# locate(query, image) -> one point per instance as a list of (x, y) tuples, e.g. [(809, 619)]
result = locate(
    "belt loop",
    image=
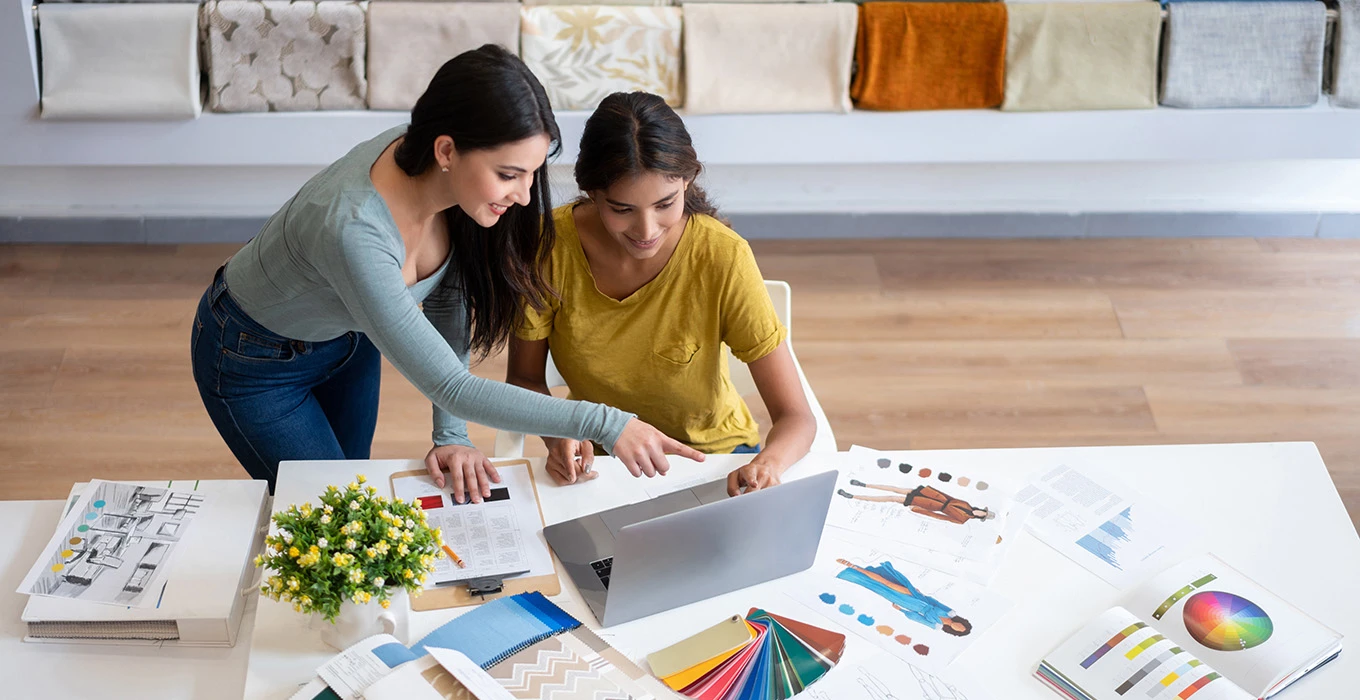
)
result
[(219, 286)]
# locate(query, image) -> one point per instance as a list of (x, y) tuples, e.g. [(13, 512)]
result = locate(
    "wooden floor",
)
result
[(921, 344)]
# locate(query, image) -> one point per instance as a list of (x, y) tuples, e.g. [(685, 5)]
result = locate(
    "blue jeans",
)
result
[(274, 398), (746, 450)]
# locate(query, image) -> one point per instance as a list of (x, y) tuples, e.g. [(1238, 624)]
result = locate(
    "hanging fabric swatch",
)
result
[(119, 61), (276, 56), (1346, 56), (409, 41), (1069, 56), (647, 3), (1243, 54), (582, 53), (930, 55), (800, 64)]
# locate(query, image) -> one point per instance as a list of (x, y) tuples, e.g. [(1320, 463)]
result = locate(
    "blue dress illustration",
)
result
[(891, 585)]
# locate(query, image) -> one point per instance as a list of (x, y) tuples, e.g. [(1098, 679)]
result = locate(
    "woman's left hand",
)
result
[(757, 475)]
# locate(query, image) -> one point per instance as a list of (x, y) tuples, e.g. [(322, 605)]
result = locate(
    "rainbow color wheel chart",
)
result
[(1226, 622)]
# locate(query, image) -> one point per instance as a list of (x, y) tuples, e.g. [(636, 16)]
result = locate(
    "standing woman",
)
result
[(452, 210)]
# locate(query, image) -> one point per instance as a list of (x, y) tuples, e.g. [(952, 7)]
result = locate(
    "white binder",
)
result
[(210, 574)]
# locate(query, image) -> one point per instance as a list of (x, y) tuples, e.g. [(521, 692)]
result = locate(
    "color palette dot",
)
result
[(827, 598), (67, 553), (58, 567), (98, 504), (865, 620), (884, 630), (982, 486), (902, 639), (847, 609), (904, 468), (91, 516), (84, 528), (925, 472), (884, 463), (964, 481), (945, 477), (921, 649), (75, 540)]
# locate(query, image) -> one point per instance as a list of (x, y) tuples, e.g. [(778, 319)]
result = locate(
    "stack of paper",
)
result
[(763, 656)]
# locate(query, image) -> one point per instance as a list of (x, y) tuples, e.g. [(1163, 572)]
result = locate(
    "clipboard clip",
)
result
[(485, 586)]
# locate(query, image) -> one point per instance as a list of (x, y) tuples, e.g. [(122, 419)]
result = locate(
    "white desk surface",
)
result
[(1292, 535), (32, 671)]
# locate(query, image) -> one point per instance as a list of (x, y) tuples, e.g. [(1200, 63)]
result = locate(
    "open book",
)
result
[(1200, 629)]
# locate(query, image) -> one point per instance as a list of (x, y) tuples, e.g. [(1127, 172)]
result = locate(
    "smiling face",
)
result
[(487, 182), (643, 214)]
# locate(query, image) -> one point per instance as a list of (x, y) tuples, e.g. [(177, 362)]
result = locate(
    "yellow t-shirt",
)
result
[(658, 353)]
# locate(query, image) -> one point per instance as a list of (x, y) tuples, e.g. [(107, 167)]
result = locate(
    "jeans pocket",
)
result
[(260, 349)]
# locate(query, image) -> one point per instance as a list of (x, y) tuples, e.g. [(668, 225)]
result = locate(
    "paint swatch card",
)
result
[(920, 615), (781, 658)]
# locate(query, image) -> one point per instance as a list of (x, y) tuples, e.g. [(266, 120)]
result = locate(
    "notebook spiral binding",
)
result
[(525, 645)]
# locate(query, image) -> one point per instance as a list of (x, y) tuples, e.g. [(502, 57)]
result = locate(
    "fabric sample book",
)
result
[(1243, 54), (1071, 56), (119, 61), (409, 41), (799, 63), (930, 55), (1346, 56), (275, 56), (582, 53)]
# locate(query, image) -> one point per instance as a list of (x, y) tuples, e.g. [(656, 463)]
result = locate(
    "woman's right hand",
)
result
[(643, 449)]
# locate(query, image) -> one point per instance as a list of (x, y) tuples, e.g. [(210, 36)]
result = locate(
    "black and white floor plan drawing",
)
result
[(114, 545)]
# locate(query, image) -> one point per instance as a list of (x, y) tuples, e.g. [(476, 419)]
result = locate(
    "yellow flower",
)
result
[(371, 552), (372, 491), (297, 607), (305, 600), (407, 536), (292, 584), (386, 603), (393, 533), (352, 486), (313, 548), (293, 552), (275, 582), (382, 546), (361, 479), (407, 574), (403, 550), (356, 575), (259, 560), (350, 543)]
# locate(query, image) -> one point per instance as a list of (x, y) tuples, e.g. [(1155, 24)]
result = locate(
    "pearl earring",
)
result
[(444, 169)]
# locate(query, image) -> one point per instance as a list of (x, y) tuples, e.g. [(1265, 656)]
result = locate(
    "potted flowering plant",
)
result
[(335, 561)]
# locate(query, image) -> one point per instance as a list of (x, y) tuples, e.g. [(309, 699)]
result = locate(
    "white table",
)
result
[(1298, 541), (40, 670)]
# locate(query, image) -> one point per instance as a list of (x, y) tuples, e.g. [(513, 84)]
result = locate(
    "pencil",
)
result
[(454, 557)]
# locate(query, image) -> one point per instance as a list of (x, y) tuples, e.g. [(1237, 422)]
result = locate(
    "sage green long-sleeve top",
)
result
[(330, 262)]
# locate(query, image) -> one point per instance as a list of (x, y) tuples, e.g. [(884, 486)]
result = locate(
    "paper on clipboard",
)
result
[(493, 538)]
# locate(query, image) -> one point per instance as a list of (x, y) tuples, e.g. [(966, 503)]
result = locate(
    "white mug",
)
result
[(358, 622)]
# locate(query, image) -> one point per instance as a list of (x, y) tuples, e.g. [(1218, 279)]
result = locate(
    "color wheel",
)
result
[(1226, 622)]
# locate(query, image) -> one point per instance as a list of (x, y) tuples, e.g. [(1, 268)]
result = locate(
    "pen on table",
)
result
[(453, 556)]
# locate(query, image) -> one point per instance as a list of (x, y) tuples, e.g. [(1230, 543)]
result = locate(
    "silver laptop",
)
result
[(641, 559)]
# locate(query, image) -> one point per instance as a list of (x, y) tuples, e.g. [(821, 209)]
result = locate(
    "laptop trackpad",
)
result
[(617, 518)]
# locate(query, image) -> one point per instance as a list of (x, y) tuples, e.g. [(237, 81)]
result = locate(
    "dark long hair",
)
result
[(483, 99), (632, 133)]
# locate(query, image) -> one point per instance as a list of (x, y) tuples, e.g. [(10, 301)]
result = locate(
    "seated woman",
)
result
[(651, 285)]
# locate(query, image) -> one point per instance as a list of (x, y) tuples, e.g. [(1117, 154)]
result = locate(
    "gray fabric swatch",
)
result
[(1346, 56), (1235, 54)]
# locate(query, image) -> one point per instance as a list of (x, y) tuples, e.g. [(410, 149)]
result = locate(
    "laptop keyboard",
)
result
[(602, 569)]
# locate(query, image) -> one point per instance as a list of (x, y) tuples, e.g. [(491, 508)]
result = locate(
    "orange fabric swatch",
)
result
[(930, 55)]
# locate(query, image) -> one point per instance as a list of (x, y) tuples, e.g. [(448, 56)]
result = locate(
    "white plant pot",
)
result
[(358, 622)]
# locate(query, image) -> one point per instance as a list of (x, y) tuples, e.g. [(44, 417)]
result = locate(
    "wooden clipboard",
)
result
[(440, 597)]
